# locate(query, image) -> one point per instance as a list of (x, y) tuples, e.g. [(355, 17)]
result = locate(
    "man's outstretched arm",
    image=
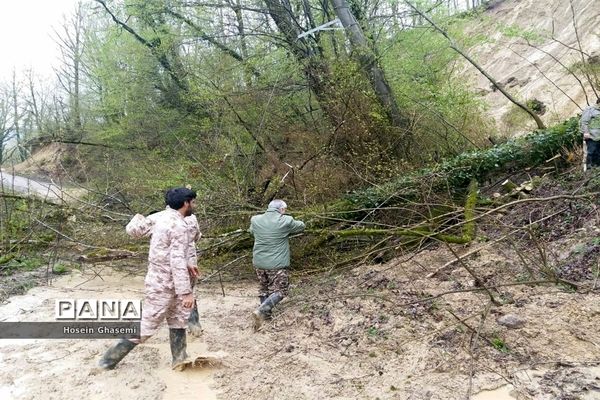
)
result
[(296, 226), (139, 226)]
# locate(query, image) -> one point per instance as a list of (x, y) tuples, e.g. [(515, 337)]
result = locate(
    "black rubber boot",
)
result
[(194, 322), (116, 353), (178, 347), (262, 300), (264, 311)]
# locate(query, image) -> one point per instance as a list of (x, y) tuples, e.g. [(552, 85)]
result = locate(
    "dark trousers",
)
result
[(593, 153)]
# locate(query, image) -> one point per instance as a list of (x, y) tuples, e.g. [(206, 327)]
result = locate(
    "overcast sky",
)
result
[(26, 34)]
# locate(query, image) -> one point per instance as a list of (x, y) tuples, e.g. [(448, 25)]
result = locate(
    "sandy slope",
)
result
[(533, 70)]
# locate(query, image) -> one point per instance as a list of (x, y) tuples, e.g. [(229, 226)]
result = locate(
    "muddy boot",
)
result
[(178, 347), (264, 311), (194, 322), (116, 353), (262, 300)]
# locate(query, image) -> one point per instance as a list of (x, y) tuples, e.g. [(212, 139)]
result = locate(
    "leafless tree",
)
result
[(5, 125), (70, 39), (17, 114)]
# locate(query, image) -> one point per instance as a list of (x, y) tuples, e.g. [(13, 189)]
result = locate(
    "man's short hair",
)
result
[(175, 198), (278, 204)]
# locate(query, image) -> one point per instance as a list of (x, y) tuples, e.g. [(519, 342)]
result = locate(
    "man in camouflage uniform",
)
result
[(171, 264), (590, 128), (271, 256)]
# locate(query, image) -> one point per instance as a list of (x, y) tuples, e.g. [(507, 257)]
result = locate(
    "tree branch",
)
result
[(153, 46)]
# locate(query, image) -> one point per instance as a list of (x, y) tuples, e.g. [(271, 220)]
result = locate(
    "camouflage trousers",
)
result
[(273, 280), (159, 306)]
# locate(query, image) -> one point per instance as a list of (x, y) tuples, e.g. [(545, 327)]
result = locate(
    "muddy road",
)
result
[(335, 346), (21, 185)]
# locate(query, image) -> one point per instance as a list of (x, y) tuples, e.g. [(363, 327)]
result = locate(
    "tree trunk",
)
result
[(309, 55), (17, 118), (33, 105), (243, 45), (369, 63), (527, 151), (4, 130), (77, 52), (70, 42)]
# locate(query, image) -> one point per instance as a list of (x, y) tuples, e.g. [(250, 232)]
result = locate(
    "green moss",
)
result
[(59, 269), (21, 262), (457, 173), (468, 229), (500, 345), (6, 258)]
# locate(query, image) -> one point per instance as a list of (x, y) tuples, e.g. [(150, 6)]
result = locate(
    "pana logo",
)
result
[(103, 310)]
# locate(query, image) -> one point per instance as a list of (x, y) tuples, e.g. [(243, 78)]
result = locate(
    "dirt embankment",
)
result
[(45, 162), (558, 32), (43, 176)]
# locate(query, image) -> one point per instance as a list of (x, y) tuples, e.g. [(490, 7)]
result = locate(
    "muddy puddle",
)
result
[(64, 369), (502, 393)]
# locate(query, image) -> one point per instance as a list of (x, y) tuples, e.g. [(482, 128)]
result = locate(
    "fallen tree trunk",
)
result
[(519, 153), (468, 227), (401, 213)]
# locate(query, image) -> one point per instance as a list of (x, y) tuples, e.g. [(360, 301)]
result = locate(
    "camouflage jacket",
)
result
[(194, 236), (172, 249)]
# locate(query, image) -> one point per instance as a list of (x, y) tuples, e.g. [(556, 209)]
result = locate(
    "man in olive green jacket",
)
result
[(271, 256), (590, 128)]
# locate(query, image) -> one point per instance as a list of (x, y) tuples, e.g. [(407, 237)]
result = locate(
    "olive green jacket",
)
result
[(271, 231), (590, 122)]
